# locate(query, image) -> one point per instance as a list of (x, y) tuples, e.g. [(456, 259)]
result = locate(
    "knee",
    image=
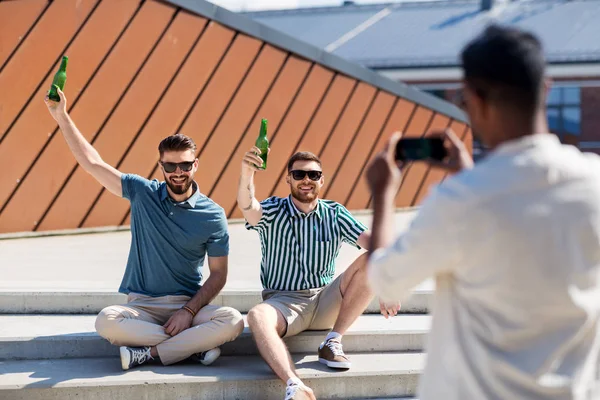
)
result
[(233, 321), (256, 315), (358, 267), (362, 262), (106, 322), (262, 317)]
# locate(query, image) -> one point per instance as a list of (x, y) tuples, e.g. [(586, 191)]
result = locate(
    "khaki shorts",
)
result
[(311, 309)]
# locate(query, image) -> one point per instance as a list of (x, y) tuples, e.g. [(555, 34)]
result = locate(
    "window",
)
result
[(563, 106), (441, 93), (564, 110)]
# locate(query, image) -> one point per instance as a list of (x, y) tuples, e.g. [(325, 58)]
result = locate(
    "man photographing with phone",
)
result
[(512, 242)]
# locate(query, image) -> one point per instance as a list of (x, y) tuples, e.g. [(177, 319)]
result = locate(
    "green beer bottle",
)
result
[(59, 80), (263, 143)]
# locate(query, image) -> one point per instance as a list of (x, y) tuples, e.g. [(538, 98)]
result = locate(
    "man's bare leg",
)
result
[(356, 294), (267, 326)]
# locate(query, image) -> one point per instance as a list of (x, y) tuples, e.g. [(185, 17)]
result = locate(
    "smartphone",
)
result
[(415, 149)]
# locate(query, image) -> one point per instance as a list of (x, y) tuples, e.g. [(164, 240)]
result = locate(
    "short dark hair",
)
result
[(177, 142), (303, 156), (506, 65)]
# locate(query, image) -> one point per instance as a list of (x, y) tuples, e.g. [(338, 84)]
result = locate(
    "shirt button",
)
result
[(171, 213)]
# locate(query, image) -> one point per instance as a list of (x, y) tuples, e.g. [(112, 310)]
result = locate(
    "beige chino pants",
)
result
[(140, 323)]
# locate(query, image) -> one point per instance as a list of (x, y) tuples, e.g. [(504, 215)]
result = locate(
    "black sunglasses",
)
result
[(171, 167), (299, 175)]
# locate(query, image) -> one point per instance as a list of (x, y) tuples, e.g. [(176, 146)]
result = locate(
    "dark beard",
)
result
[(304, 198), (179, 189)]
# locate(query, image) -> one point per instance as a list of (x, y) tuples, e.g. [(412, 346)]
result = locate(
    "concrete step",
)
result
[(74, 336), (241, 377), (91, 302)]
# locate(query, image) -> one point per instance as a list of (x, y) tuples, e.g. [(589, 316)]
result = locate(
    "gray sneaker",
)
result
[(133, 356), (209, 356)]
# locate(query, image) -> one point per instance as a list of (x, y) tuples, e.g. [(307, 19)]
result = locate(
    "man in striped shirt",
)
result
[(301, 236)]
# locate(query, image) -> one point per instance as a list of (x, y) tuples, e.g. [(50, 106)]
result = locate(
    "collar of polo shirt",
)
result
[(294, 212), (191, 201)]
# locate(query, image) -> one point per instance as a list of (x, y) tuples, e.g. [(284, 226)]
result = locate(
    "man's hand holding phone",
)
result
[(441, 149), (457, 157), (383, 174)]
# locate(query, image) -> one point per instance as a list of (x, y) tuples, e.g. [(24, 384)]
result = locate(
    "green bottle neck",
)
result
[(263, 129), (63, 64)]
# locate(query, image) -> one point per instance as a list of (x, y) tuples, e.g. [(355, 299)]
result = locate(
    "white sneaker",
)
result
[(298, 392), (209, 356)]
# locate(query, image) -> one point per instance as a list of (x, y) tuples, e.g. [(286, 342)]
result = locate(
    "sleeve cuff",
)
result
[(125, 186), (218, 252)]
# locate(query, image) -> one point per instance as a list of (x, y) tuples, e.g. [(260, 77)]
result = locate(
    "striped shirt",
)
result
[(298, 249)]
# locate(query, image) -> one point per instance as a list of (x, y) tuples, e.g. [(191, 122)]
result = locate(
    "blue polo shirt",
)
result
[(169, 240)]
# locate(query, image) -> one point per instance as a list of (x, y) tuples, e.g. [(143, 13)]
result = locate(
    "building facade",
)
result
[(418, 42)]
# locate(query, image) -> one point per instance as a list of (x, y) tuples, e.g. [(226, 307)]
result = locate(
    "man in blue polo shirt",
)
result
[(173, 227)]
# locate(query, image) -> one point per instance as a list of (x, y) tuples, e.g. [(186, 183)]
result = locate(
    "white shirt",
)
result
[(514, 245)]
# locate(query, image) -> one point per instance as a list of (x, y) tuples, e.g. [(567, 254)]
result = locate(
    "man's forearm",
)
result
[(83, 151), (382, 232), (246, 199), (211, 288)]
